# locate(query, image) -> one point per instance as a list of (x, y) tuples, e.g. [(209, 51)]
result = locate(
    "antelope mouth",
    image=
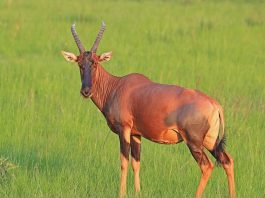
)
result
[(86, 94)]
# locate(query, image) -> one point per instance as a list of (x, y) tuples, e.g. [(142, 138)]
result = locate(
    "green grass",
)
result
[(61, 143)]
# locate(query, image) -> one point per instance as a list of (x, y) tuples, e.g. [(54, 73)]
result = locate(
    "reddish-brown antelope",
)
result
[(134, 106)]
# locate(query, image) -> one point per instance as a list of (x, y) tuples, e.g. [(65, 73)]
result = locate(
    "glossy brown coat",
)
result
[(161, 113)]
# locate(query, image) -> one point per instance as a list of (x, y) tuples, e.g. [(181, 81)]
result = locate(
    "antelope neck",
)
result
[(103, 86)]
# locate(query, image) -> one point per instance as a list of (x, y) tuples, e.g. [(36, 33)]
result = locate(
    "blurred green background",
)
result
[(61, 143)]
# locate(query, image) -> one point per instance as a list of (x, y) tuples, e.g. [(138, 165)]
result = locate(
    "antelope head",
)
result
[(87, 61)]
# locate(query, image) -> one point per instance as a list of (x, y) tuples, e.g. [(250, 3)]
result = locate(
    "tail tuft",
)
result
[(219, 149)]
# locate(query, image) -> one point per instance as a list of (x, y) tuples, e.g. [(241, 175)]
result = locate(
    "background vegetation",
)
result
[(61, 143)]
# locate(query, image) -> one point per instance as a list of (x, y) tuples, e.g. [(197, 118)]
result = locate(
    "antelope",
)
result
[(136, 107)]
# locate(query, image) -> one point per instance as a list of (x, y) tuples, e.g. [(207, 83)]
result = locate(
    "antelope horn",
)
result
[(100, 33), (77, 40)]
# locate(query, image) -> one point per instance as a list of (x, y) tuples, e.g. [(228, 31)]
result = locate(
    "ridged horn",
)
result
[(100, 33), (77, 40)]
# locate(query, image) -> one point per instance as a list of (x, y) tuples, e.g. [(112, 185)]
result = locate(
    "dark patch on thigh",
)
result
[(199, 155), (135, 149), (124, 147), (221, 157)]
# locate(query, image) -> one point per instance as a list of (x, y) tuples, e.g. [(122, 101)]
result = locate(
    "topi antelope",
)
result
[(136, 107)]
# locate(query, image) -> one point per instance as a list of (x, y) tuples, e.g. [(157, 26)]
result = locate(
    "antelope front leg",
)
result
[(135, 153), (124, 156)]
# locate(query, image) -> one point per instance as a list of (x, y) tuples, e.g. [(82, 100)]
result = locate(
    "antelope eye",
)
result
[(92, 61)]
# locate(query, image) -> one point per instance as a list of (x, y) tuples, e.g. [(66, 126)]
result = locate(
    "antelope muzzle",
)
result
[(86, 92)]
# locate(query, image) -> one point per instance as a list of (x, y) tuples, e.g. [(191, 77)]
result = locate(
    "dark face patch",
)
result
[(86, 64)]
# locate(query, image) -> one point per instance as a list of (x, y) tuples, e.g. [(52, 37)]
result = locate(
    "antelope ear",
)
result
[(69, 56), (105, 56)]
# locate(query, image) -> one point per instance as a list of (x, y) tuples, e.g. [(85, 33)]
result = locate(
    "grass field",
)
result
[(61, 143)]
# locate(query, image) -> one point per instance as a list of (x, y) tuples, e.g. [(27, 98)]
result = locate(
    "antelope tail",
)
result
[(221, 134), (221, 139)]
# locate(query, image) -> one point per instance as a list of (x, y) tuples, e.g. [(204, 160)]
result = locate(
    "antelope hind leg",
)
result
[(206, 167)]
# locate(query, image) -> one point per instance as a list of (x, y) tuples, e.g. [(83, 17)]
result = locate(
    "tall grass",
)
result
[(61, 142)]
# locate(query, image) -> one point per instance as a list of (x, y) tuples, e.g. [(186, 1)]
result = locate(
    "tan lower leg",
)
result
[(206, 173), (229, 169), (135, 153), (124, 171), (136, 171), (124, 157)]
